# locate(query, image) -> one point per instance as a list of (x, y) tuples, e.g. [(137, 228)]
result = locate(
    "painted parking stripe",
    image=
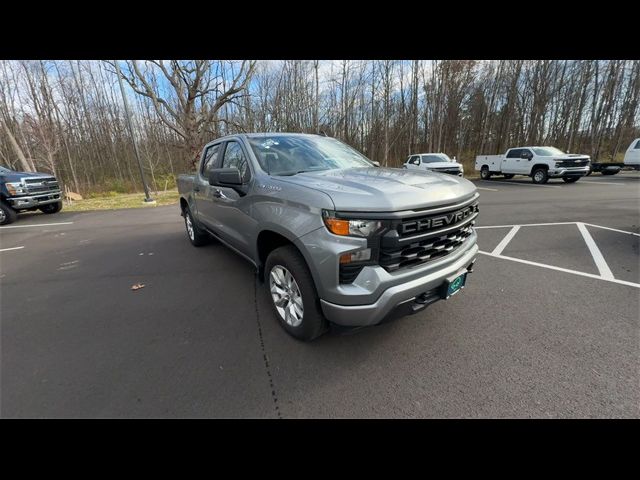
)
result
[(37, 225), (526, 225), (488, 189), (612, 229), (560, 269), (619, 184), (525, 184), (603, 268), (12, 248), (505, 241)]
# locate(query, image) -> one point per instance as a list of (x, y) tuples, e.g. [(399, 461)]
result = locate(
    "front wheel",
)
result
[(571, 179), (485, 174), (51, 208), (293, 294), (539, 176), (7, 214)]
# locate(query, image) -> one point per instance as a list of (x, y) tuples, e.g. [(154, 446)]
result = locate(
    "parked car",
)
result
[(27, 191), (539, 163), (632, 156), (337, 240), (436, 162)]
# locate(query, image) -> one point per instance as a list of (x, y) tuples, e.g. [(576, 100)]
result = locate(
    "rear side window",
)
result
[(415, 160), (637, 147), (514, 153), (210, 156), (234, 158)]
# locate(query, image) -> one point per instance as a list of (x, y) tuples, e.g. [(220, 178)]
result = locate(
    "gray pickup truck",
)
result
[(337, 239)]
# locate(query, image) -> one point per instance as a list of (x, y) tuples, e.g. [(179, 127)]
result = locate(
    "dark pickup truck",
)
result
[(27, 191)]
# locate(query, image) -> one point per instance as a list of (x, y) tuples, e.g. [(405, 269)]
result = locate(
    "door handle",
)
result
[(218, 193)]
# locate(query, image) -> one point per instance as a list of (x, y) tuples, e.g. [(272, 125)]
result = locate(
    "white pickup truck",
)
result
[(539, 163), (632, 156)]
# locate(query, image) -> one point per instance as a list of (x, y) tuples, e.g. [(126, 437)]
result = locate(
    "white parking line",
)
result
[(505, 241), (603, 268), (488, 189), (12, 248), (37, 225), (527, 225), (525, 184), (560, 269), (613, 229), (619, 184)]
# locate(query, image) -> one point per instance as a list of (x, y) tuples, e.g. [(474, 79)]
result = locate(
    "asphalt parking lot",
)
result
[(548, 326)]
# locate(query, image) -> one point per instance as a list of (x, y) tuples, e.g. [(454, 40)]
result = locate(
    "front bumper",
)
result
[(568, 172), (402, 295), (34, 201)]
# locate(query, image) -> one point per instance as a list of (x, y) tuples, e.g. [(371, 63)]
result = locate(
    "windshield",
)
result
[(288, 155), (435, 158), (547, 151)]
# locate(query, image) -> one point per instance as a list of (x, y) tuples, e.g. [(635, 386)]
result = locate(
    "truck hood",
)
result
[(372, 189), (442, 165), (17, 176)]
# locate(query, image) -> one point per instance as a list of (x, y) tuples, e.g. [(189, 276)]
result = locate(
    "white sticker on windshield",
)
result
[(267, 143)]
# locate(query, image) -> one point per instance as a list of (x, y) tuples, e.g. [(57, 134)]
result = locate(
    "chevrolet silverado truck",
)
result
[(539, 163), (27, 191), (436, 162), (335, 239)]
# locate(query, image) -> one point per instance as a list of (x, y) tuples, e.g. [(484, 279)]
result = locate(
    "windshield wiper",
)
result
[(288, 174)]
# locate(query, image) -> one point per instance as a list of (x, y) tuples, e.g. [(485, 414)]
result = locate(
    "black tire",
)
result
[(7, 214), (485, 174), (508, 176), (313, 323), (195, 234), (539, 176), (571, 179), (608, 172), (51, 208)]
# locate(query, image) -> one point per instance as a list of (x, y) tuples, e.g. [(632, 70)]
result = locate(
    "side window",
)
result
[(527, 151), (415, 160), (514, 153), (210, 156), (234, 157), (637, 145)]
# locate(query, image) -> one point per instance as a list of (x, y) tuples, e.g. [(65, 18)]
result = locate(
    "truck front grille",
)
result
[(573, 163), (422, 251), (416, 240), (450, 171), (41, 185)]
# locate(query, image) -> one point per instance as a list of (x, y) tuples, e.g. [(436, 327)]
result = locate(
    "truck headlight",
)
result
[(354, 228), (15, 188)]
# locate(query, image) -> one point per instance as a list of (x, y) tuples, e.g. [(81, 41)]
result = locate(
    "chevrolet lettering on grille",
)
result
[(438, 221)]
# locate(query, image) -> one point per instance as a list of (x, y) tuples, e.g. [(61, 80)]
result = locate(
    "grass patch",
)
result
[(113, 200)]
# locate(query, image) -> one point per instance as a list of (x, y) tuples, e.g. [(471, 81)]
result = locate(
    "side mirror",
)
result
[(376, 164), (225, 176)]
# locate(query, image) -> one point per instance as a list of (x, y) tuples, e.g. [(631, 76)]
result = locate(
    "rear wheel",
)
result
[(539, 176), (7, 214), (197, 237), (51, 208), (485, 174), (571, 179), (508, 175), (293, 294)]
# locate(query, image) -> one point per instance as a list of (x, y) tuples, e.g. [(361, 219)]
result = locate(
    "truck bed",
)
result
[(494, 162), (185, 183)]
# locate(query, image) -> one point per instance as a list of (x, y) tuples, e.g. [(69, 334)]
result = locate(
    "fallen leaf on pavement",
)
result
[(137, 286)]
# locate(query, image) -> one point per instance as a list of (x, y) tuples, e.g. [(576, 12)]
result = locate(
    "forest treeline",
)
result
[(67, 117)]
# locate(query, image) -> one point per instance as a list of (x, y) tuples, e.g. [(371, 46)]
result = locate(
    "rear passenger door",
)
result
[(203, 192), (511, 161)]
